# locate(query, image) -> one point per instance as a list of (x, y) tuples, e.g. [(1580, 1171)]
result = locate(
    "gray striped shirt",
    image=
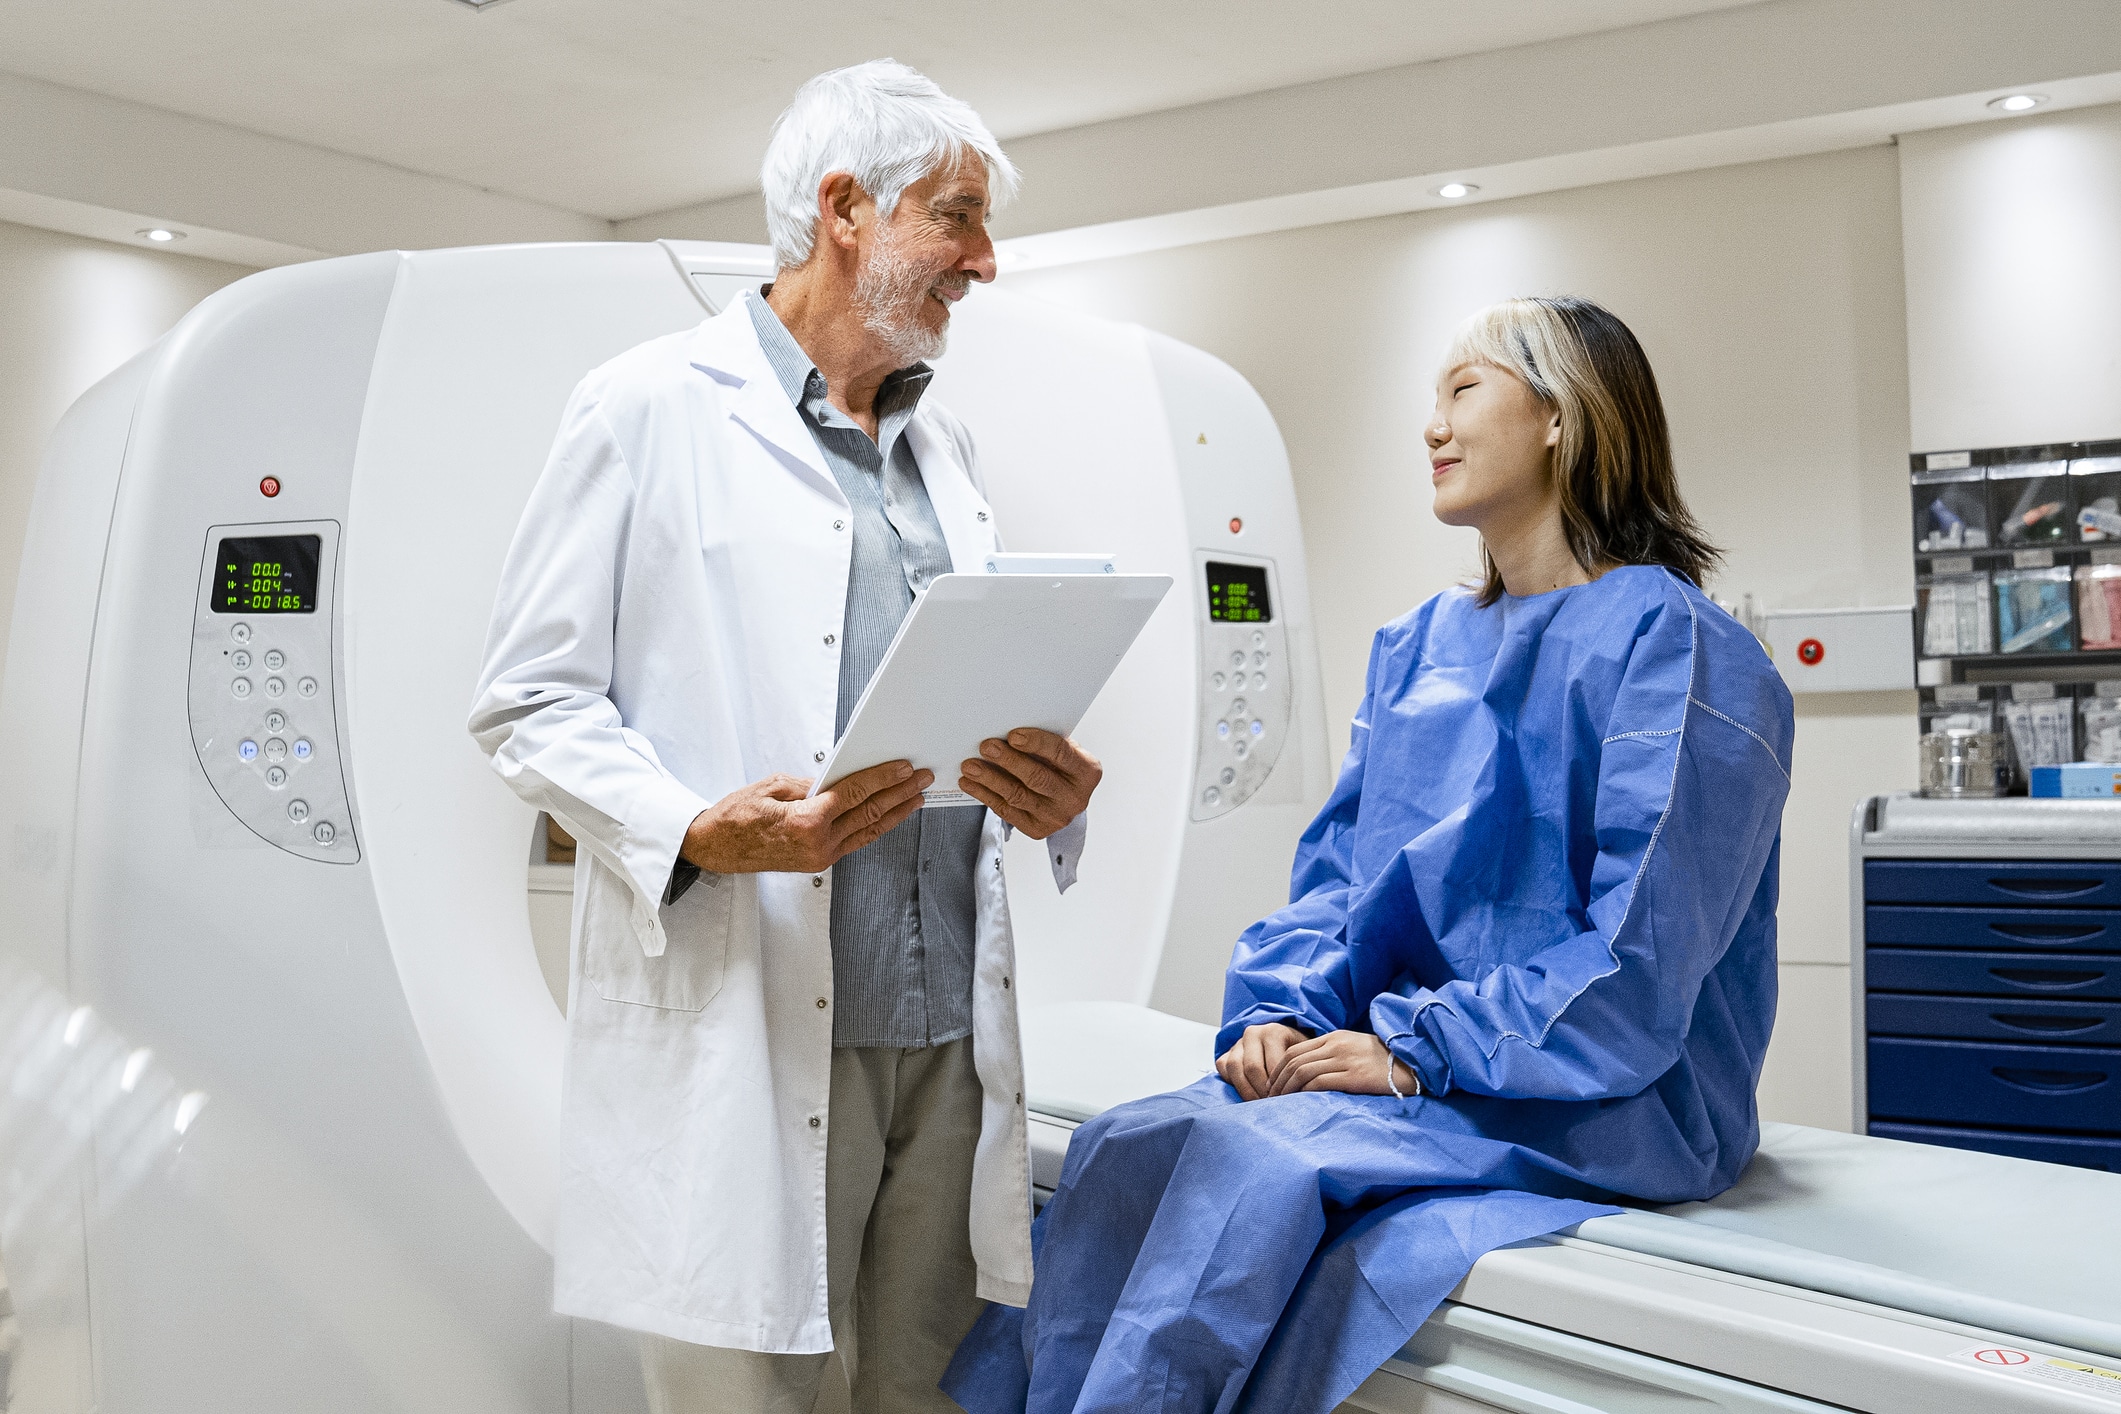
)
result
[(903, 909)]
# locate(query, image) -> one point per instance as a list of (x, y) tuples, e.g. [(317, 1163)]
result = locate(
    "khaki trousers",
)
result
[(898, 1252)]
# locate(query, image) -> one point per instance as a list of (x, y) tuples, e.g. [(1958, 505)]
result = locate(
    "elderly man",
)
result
[(793, 1114)]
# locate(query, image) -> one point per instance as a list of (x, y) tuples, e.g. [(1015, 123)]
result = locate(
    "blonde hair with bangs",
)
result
[(1619, 493)]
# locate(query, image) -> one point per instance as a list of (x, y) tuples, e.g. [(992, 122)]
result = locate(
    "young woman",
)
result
[(1528, 963)]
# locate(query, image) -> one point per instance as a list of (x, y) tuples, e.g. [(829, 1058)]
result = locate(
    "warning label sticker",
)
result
[(2025, 1364)]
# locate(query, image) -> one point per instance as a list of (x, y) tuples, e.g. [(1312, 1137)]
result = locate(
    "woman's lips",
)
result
[(1437, 469)]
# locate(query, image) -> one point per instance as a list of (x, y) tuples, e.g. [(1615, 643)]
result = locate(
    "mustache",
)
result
[(957, 282)]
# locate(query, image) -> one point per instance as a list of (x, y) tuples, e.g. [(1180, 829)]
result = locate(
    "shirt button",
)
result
[(1019, 1100), (818, 756), (1005, 984), (982, 515), (839, 525), (815, 1122), (831, 638), (820, 1003), (817, 881)]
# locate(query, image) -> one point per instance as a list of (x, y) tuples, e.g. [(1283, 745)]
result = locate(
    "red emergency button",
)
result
[(270, 486), (1810, 652)]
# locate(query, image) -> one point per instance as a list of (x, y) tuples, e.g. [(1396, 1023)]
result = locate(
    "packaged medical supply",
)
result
[(1954, 609), (2029, 504), (2099, 602), (2042, 725), (2095, 484), (1951, 506), (2079, 780), (2100, 717), (2033, 610)]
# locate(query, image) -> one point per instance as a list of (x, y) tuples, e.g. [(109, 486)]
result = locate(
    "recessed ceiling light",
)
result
[(2017, 102), (479, 4), (160, 235), (1454, 191)]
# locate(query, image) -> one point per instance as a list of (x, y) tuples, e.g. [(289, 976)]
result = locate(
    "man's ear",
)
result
[(838, 196)]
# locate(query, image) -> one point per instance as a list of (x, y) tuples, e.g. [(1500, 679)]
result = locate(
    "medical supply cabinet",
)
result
[(1987, 980)]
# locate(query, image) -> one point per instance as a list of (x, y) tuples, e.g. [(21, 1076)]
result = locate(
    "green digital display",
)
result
[(267, 574), (1237, 594)]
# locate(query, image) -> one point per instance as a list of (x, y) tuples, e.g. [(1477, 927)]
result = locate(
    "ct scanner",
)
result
[(279, 1127)]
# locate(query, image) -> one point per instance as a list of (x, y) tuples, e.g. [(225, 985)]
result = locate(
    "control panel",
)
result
[(264, 714), (1246, 684)]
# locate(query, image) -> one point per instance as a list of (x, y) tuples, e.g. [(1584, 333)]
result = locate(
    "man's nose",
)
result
[(979, 260)]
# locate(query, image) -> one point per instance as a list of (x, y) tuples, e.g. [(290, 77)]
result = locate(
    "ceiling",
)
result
[(616, 108)]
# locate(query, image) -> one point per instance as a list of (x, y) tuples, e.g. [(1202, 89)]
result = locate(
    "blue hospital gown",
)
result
[(1546, 878)]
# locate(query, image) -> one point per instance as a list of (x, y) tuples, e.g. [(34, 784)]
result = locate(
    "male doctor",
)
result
[(793, 1112)]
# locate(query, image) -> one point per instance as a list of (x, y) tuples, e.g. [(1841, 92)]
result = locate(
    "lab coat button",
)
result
[(817, 756), (982, 515), (1019, 1097), (1005, 984), (817, 881), (815, 1122), (839, 525), (820, 1003), (830, 639)]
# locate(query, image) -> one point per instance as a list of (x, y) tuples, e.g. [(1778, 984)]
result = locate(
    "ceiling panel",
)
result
[(621, 107)]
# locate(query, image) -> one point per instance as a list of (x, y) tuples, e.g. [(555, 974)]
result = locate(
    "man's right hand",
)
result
[(1251, 1064), (770, 827)]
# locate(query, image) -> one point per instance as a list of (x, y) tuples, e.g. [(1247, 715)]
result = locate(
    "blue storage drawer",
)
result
[(1994, 1019), (2040, 883), (1995, 974), (1980, 1083), (2030, 929), (2072, 1149)]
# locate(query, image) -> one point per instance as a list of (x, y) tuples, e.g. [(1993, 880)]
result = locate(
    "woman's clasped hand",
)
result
[(1274, 1059)]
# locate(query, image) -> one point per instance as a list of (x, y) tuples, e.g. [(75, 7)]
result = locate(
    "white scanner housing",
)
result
[(283, 1126)]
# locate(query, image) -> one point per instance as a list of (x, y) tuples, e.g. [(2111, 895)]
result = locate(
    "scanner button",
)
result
[(1259, 639), (239, 632), (1218, 682), (274, 687), (1229, 776), (1259, 682), (307, 687), (298, 810), (1237, 708), (1259, 728), (302, 748), (247, 749), (274, 660), (1237, 658), (275, 749), (240, 660), (1243, 750), (276, 721), (240, 687), (324, 833), (1211, 796), (1259, 660), (275, 776), (1222, 729)]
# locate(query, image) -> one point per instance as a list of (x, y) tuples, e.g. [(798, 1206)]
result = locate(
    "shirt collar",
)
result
[(798, 375)]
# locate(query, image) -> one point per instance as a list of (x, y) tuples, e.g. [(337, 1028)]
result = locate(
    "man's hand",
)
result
[(1251, 1065), (1036, 781), (1353, 1062), (770, 828)]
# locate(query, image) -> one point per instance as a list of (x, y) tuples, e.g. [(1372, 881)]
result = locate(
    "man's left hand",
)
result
[(1036, 781), (1354, 1062)]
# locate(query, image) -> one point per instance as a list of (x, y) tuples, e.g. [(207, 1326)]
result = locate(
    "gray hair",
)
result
[(884, 125)]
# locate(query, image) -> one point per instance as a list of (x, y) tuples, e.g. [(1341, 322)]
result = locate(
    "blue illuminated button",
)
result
[(302, 748), (1222, 729), (1258, 727), (247, 749)]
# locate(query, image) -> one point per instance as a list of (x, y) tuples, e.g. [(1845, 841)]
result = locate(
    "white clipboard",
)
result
[(982, 654)]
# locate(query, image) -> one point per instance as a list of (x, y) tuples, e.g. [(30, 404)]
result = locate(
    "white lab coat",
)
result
[(667, 630)]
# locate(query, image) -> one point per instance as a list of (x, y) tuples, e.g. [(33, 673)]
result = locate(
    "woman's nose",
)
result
[(1436, 434)]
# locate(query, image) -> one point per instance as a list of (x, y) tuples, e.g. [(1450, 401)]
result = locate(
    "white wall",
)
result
[(71, 310), (2013, 255), (1769, 297)]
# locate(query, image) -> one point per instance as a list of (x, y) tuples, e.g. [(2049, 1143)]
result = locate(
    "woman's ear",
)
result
[(1554, 430)]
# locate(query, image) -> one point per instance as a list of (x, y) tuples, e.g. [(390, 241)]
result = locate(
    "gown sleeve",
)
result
[(1294, 966), (1688, 809)]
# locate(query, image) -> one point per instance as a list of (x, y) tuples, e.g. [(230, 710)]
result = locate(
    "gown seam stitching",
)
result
[(1649, 852), (1623, 736), (1756, 736)]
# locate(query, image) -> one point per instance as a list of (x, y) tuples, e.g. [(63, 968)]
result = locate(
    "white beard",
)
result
[(889, 292)]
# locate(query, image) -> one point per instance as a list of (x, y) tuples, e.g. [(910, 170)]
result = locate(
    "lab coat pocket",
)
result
[(695, 952)]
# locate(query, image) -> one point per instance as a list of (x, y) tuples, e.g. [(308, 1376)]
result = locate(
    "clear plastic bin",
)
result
[(1955, 614), (2030, 506), (2043, 727), (2095, 486), (1951, 510), (2099, 606), (2099, 718), (2033, 612)]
